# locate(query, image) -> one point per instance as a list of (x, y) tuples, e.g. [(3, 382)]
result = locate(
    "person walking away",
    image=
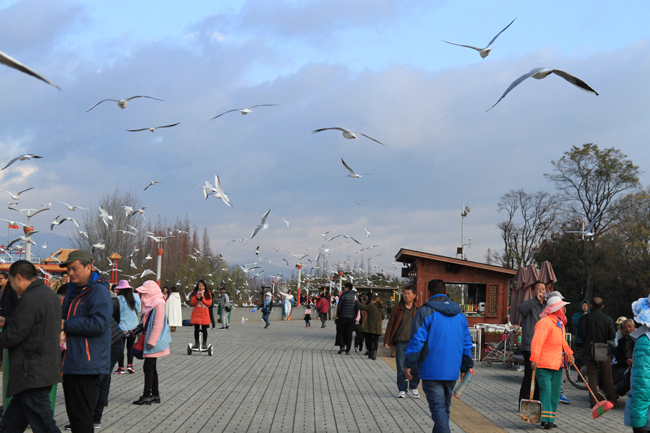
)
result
[(130, 307), (267, 306), (623, 354), (549, 352), (157, 339), (35, 323), (439, 324), (346, 313), (360, 336), (398, 335), (307, 315), (530, 311), (103, 383), (585, 308), (225, 308), (637, 413), (323, 308), (211, 310), (596, 329), (173, 310), (200, 300), (8, 298), (374, 322), (86, 312)]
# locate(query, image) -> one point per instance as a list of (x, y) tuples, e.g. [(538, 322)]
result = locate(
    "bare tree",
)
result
[(531, 219)]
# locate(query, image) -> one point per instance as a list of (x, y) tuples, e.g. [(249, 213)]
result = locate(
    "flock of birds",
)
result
[(216, 190)]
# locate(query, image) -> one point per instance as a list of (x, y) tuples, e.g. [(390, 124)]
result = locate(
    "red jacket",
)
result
[(200, 313), (323, 305)]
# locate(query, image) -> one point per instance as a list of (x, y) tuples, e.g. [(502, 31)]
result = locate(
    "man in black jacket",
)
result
[(32, 337), (596, 327), (346, 314)]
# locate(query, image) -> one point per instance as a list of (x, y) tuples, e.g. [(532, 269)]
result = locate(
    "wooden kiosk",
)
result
[(480, 289)]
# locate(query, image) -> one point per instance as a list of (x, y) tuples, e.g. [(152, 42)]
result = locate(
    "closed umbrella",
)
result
[(517, 295), (547, 276)]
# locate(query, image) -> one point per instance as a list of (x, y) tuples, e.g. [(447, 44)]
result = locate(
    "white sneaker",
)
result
[(521, 368), (402, 394), (415, 393)]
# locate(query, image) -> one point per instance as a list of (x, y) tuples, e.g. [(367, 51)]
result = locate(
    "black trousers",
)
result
[(204, 330), (129, 356), (32, 407), (211, 310), (600, 372), (368, 338), (524, 391), (358, 340), (323, 318), (374, 342), (78, 392), (151, 377), (103, 384), (345, 328)]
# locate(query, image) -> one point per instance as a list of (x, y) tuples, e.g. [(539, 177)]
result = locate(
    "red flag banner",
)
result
[(13, 226)]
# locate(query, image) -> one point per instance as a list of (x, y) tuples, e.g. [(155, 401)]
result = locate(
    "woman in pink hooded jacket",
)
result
[(157, 339)]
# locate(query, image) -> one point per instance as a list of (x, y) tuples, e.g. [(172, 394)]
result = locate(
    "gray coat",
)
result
[(530, 311), (32, 338)]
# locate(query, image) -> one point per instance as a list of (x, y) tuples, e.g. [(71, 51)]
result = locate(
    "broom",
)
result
[(601, 406)]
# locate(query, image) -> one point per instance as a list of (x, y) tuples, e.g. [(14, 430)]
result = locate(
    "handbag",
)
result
[(265, 310), (138, 348), (228, 308), (600, 352)]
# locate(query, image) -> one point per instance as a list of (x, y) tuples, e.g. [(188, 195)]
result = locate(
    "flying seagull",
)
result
[(24, 157), (263, 225), (208, 189), (219, 191), (367, 232), (484, 52), (17, 195), (147, 272), (104, 215), (286, 222), (348, 134), (73, 208), (122, 103), (244, 111), (140, 211), (27, 238), (540, 73), (13, 63), (152, 183), (352, 173), (153, 129), (588, 232), (13, 223)]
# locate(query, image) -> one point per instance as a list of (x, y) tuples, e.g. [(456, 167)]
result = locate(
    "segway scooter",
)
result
[(199, 349)]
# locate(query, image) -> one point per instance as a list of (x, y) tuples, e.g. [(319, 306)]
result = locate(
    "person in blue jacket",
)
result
[(441, 348), (87, 312), (637, 407)]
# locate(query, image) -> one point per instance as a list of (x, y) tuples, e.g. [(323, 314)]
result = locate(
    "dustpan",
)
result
[(530, 411)]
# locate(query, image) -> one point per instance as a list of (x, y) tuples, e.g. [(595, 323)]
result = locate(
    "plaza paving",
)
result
[(288, 378)]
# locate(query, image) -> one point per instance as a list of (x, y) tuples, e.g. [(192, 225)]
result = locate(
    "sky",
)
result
[(376, 67)]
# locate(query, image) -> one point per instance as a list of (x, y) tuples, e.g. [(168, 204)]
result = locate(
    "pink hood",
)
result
[(150, 294)]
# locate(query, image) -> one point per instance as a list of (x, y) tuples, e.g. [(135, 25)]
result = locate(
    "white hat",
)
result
[(555, 303)]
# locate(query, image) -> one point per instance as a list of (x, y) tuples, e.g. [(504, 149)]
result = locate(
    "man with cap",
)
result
[(87, 311), (225, 302), (548, 352)]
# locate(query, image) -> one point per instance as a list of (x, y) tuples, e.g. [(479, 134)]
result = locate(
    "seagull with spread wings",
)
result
[(588, 232), (352, 173), (153, 128), (262, 225), (484, 52), (13, 63), (25, 157), (540, 73), (17, 195), (152, 183), (348, 134), (244, 111), (73, 208), (122, 103), (27, 238), (105, 216)]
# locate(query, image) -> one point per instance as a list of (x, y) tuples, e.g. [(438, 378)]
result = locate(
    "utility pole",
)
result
[(299, 266)]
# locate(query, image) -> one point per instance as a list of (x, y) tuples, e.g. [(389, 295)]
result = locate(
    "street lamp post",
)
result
[(299, 266), (463, 214)]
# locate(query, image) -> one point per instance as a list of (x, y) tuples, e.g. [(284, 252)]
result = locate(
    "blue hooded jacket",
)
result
[(88, 314), (576, 318), (440, 346)]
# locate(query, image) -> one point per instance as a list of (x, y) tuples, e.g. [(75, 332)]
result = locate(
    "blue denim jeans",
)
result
[(32, 407), (400, 354), (265, 317), (439, 394)]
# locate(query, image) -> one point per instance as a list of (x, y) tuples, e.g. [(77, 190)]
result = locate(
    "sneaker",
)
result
[(120, 370), (129, 368), (97, 425), (564, 400), (415, 393), (68, 427), (402, 394), (521, 368)]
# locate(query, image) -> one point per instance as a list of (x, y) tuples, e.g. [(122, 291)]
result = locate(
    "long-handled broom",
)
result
[(601, 406)]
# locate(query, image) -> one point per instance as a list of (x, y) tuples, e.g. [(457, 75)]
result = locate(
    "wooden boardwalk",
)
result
[(288, 378)]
